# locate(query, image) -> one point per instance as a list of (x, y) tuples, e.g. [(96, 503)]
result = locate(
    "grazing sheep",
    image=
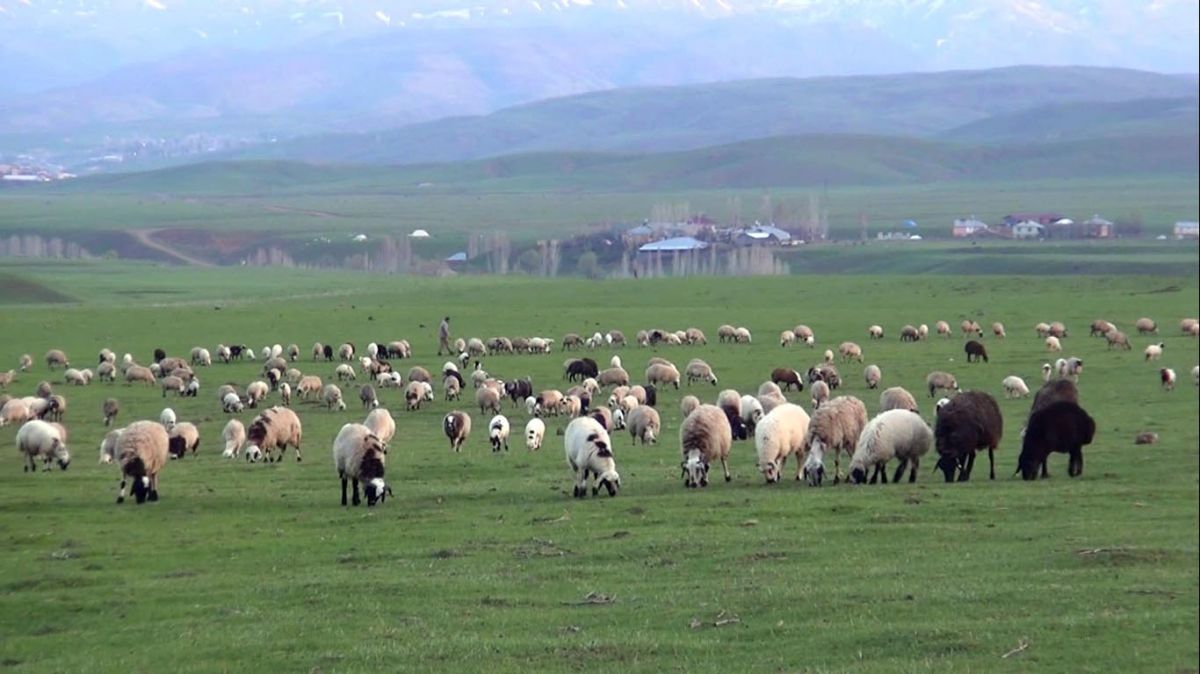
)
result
[(15, 411), (1118, 339), (255, 392), (381, 423), (138, 373), (309, 386), (968, 422), (1100, 328), (770, 396), (695, 336), (547, 402), (659, 375), (110, 408), (1014, 387), (805, 334), (909, 333), (57, 409), (521, 389), (730, 403), (285, 394), (872, 375), (896, 434), (358, 456), (572, 405), (108, 446), (615, 338), (1167, 377), (820, 393), (704, 436), (1062, 426), (850, 351), (367, 396), (535, 431), (418, 373), (581, 368), (940, 381), (943, 328), (171, 384), (1069, 368), (825, 372), (835, 426), (234, 436), (589, 454), (779, 435), (331, 395), (969, 328), (1059, 330), (1052, 344), (742, 336), (975, 351), (141, 451), (318, 351), (56, 357), (644, 424), (697, 369), (344, 372), (787, 338), (786, 377), (231, 403), (875, 332), (389, 379), (687, 404), (182, 438), (1146, 326), (827, 357), (897, 398), (1186, 326), (1145, 438), (72, 377), (39, 439), (1055, 391), (605, 417), (726, 333), (167, 418), (274, 428), (1042, 329), (457, 427), (998, 330), (750, 411), (346, 351), (1154, 351), (616, 376), (498, 430)]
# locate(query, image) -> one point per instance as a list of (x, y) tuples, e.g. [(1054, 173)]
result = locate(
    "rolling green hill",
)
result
[(1090, 119), (656, 119), (789, 161)]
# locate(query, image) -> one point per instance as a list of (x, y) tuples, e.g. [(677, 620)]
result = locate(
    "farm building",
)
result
[(679, 244), (761, 235), (1097, 227), (1028, 229), (1042, 218), (1187, 230), (968, 227)]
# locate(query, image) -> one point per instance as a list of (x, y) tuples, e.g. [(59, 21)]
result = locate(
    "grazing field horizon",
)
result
[(484, 559)]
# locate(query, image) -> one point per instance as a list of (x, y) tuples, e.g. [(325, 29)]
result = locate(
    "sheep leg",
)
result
[(153, 496), (299, 457), (965, 473), (900, 471), (344, 481), (1045, 469), (354, 492), (882, 468), (121, 492), (725, 467), (1075, 466), (992, 461)]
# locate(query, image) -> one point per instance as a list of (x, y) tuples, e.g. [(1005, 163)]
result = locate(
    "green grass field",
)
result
[(485, 560)]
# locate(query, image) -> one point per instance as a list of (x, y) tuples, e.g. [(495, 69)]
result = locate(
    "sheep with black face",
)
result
[(589, 454), (358, 456)]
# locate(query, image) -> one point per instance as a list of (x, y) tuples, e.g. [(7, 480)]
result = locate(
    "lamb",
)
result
[(1014, 387), (274, 428), (875, 332), (1042, 329), (786, 377), (498, 430), (344, 372), (896, 434), (850, 351), (1118, 339), (231, 403), (381, 423), (589, 453), (820, 393), (827, 356), (1167, 377), (256, 391), (787, 338), (234, 436), (1146, 326), (358, 456), (535, 431), (167, 418), (998, 330), (834, 426), (943, 328), (1052, 344), (804, 334), (644, 424), (969, 327), (141, 451), (697, 369), (138, 373), (285, 394), (897, 398), (616, 376), (1154, 351), (750, 412), (975, 351), (106, 372), (742, 336), (182, 437), (110, 408), (968, 422), (940, 381), (872, 375), (39, 439), (687, 405), (704, 436), (457, 427), (1062, 426), (367, 396), (72, 377), (56, 357), (779, 435), (659, 375), (171, 384)]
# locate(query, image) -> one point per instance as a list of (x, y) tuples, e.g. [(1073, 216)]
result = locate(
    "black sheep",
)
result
[(1059, 390), (518, 390), (1061, 426), (582, 369), (975, 351), (159, 354), (969, 422), (327, 351), (651, 395)]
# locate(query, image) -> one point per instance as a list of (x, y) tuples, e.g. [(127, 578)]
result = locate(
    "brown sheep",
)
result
[(704, 436), (835, 426), (141, 451), (274, 428), (786, 377), (1062, 426), (969, 422)]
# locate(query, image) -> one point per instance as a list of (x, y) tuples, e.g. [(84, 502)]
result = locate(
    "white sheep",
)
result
[(1167, 376), (697, 369), (1047, 372), (942, 328), (257, 390), (875, 332), (644, 424), (589, 453), (285, 394), (1052, 344), (108, 446), (231, 403), (358, 456), (381, 423), (167, 418), (498, 429), (535, 431), (742, 336), (897, 398), (873, 375), (687, 404), (344, 372), (41, 440), (787, 338), (704, 437), (827, 356), (898, 434), (850, 351), (142, 453), (1154, 351), (234, 435), (332, 396), (15, 411), (751, 411), (779, 435), (1015, 387), (819, 392)]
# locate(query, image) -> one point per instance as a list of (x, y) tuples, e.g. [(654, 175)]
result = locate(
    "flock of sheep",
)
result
[(598, 401)]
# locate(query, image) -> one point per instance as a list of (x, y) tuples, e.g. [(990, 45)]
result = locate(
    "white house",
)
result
[(968, 227), (1028, 229), (1187, 230)]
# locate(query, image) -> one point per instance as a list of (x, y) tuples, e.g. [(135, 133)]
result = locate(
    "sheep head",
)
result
[(695, 470), (61, 454), (770, 471), (610, 480), (814, 466)]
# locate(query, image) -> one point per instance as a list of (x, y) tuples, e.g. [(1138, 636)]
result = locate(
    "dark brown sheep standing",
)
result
[(975, 351), (786, 377), (969, 422), (1062, 426), (1051, 392)]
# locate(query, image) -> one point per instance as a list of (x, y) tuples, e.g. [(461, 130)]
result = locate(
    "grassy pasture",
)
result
[(485, 560)]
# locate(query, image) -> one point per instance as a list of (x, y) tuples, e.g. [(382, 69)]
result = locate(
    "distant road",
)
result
[(145, 237)]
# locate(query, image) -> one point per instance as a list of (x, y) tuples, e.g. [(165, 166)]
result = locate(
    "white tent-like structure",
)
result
[(419, 234)]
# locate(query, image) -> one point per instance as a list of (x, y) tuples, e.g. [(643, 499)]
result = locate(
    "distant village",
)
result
[(1054, 226), (28, 173)]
